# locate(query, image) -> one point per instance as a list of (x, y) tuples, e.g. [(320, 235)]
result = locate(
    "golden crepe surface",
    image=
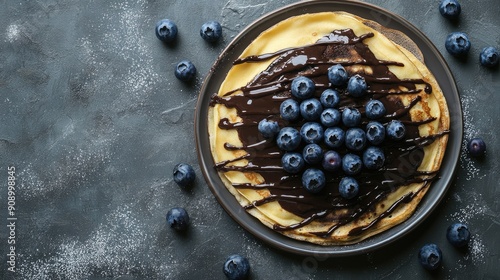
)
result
[(259, 81)]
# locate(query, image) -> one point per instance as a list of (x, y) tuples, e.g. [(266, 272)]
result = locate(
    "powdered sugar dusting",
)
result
[(13, 32)]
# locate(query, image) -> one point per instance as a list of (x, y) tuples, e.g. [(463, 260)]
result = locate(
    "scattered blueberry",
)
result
[(303, 87), (337, 75), (184, 175), (331, 161), (178, 218), (288, 139), (185, 71), (313, 180), (211, 31), (290, 110), (357, 86), (330, 98), (351, 117), (374, 109), (311, 109), (312, 132), (396, 130), (373, 158), (334, 137), (236, 267), (352, 164), (292, 162), (166, 30), (430, 256), (312, 153), (458, 235), (268, 128), (476, 147), (489, 57), (457, 44), (355, 139), (375, 133), (348, 187), (450, 9), (330, 117)]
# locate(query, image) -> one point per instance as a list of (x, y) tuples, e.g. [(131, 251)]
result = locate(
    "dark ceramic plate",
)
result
[(435, 63)]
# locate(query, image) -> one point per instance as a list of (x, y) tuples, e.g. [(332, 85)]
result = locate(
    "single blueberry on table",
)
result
[(337, 75), (185, 71), (313, 180), (357, 86), (312, 132), (334, 137), (375, 109), (288, 139), (348, 188), (268, 128), (430, 256), (476, 147), (211, 31), (489, 57), (290, 110), (396, 130), (351, 117), (178, 218), (292, 162), (236, 267), (351, 164), (311, 109), (457, 44), (458, 235), (331, 161), (375, 133), (450, 9), (184, 174), (330, 117), (302, 87), (355, 139), (312, 153), (166, 30), (373, 158), (330, 98)]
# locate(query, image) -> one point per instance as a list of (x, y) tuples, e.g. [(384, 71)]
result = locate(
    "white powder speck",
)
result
[(13, 32)]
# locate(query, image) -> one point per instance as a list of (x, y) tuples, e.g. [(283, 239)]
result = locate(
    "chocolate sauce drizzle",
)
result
[(261, 98)]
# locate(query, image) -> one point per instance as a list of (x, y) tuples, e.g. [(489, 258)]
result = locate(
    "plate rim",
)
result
[(287, 244)]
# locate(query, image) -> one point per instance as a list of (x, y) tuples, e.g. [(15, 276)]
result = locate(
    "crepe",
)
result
[(249, 165)]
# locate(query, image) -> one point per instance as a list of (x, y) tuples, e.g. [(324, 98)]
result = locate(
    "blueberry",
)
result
[(211, 31), (185, 71), (352, 164), (450, 9), (351, 117), (337, 75), (348, 187), (268, 128), (373, 158), (331, 161), (302, 87), (311, 109), (236, 267), (489, 57), (313, 180), (457, 44), (458, 235), (396, 130), (288, 139), (312, 153), (355, 139), (184, 175), (178, 218), (334, 137), (292, 162), (166, 30), (476, 147), (290, 110), (311, 132), (357, 86), (330, 117), (375, 109), (430, 256), (330, 98), (375, 133)]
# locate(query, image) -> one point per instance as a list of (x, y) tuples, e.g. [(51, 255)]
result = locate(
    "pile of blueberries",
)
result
[(327, 126)]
